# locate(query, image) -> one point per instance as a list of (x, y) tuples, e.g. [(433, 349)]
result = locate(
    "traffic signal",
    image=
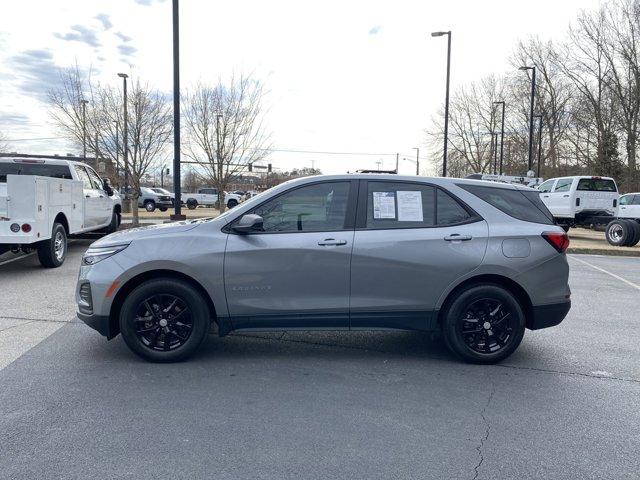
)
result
[(251, 167), (269, 168)]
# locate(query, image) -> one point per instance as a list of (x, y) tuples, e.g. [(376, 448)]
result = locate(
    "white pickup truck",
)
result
[(44, 201), (581, 200), (209, 198)]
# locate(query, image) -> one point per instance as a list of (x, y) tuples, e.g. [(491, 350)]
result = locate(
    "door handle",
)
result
[(565, 196), (331, 242), (87, 196), (546, 196), (456, 237)]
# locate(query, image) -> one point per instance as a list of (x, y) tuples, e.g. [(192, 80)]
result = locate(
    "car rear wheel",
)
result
[(232, 203), (192, 203), (635, 238), (115, 222), (484, 324), (618, 232), (163, 209), (164, 320), (52, 252)]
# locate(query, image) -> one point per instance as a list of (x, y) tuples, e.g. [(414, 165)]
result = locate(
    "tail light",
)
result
[(26, 228), (558, 240)]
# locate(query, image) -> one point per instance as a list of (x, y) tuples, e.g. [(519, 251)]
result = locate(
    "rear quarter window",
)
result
[(521, 204)]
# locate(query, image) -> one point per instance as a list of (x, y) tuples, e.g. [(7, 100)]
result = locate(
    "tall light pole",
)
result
[(533, 93), (115, 122), (539, 143), (84, 102), (417, 160), (501, 135), (127, 202), (446, 101), (177, 207)]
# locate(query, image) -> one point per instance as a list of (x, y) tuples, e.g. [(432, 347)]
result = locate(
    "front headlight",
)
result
[(97, 254)]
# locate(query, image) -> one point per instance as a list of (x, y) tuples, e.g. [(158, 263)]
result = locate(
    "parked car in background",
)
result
[(150, 200), (478, 261), (581, 200), (208, 197), (44, 201), (164, 192), (630, 206), (624, 231)]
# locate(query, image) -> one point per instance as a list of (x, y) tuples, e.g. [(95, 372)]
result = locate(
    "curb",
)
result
[(603, 251)]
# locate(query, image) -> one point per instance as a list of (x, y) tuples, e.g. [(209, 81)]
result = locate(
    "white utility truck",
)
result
[(43, 201), (581, 200), (209, 198)]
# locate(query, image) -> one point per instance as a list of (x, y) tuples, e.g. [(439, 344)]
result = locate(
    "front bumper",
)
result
[(544, 316), (100, 323)]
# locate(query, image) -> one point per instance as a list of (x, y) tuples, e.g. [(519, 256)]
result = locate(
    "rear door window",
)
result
[(546, 186), (400, 205), (449, 211), (521, 204), (597, 185), (563, 185), (83, 176)]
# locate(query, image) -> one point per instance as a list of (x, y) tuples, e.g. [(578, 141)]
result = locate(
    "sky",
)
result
[(345, 76)]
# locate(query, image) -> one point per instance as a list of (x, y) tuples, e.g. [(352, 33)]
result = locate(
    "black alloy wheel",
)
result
[(486, 326), (164, 320), (483, 323)]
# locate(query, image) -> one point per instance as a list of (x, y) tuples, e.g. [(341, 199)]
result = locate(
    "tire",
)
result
[(485, 343), (192, 204), (617, 232), (635, 238), (232, 203), (149, 205), (163, 209), (52, 252), (115, 222), (148, 339)]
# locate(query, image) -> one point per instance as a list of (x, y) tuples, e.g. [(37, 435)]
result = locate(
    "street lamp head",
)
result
[(499, 102), (439, 34), (526, 68), (84, 102), (123, 75)]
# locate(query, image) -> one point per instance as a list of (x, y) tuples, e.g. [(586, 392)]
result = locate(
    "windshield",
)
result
[(162, 191)]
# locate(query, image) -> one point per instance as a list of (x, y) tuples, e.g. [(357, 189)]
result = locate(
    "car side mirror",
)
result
[(248, 223), (106, 185)]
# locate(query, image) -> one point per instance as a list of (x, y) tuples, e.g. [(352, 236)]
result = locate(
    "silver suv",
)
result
[(478, 261)]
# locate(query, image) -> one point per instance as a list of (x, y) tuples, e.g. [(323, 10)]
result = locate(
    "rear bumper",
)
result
[(99, 323), (545, 316)]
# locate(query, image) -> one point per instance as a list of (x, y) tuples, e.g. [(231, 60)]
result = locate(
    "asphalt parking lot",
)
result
[(375, 405)]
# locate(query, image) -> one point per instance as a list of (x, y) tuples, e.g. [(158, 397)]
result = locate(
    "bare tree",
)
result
[(149, 122), (552, 97), (472, 121), (225, 129)]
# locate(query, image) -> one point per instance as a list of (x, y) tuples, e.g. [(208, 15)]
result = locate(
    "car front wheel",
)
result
[(164, 320), (150, 206), (484, 324)]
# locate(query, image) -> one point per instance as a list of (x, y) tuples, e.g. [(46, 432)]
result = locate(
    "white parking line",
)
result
[(16, 259), (617, 277)]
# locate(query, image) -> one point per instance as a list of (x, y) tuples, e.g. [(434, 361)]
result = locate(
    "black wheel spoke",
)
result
[(163, 322), (486, 325)]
